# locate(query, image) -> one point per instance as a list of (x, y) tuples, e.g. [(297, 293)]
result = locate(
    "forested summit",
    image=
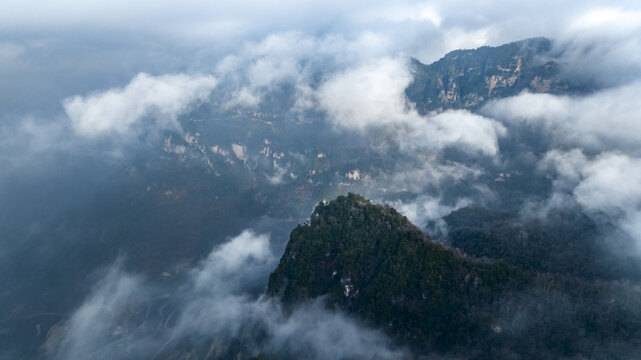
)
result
[(371, 261)]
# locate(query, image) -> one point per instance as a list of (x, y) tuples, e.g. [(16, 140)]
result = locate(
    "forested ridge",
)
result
[(371, 261)]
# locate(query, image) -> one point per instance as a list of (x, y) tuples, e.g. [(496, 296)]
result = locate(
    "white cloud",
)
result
[(427, 212), (609, 183), (293, 57), (612, 184), (608, 119), (428, 208), (460, 128), (428, 173), (215, 304), (99, 315), (603, 44), (607, 18), (401, 12), (312, 332), (373, 96), (568, 164), (225, 263), (370, 95), (116, 111)]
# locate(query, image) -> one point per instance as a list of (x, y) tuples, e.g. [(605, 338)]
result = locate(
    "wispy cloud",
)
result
[(215, 304), (372, 96), (118, 110)]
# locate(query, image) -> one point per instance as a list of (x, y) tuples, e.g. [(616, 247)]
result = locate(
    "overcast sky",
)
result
[(52, 50)]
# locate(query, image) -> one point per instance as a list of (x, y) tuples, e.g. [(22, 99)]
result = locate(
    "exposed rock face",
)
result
[(469, 78)]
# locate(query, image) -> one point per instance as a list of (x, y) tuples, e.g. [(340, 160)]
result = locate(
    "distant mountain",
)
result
[(564, 242), (371, 261), (469, 78)]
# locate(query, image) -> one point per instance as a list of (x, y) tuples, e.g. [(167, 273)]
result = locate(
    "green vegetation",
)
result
[(564, 242), (371, 261)]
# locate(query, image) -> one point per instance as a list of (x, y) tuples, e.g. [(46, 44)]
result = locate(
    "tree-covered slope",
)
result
[(371, 261), (564, 242)]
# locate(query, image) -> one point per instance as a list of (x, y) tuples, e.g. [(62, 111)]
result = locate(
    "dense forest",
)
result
[(371, 261)]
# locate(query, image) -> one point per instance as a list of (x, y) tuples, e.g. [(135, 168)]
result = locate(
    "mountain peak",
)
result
[(469, 78), (372, 260)]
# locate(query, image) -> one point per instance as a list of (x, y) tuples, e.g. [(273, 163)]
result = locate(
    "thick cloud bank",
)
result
[(608, 119), (118, 110), (373, 96)]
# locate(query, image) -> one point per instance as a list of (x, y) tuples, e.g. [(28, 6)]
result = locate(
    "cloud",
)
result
[(117, 111), (261, 67), (216, 301), (89, 330), (230, 266), (603, 44), (608, 19), (568, 164), (427, 212), (214, 305), (370, 95), (608, 183), (459, 128), (313, 332), (402, 12), (607, 119), (293, 58), (218, 306), (612, 183), (229, 257), (429, 172), (373, 96)]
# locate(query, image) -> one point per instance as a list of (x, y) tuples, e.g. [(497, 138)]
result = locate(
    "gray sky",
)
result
[(53, 50)]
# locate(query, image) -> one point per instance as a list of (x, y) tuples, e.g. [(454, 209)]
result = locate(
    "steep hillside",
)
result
[(469, 78), (564, 242), (371, 261)]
